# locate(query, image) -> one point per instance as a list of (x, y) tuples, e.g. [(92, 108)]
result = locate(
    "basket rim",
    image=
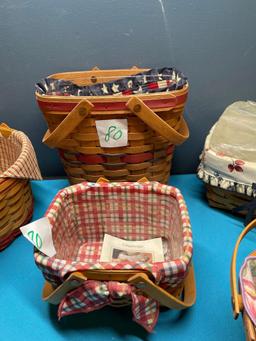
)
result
[(111, 98), (160, 270)]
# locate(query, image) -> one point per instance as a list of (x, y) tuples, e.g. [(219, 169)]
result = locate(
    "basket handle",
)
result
[(166, 299), (70, 122), (5, 130), (102, 180), (237, 303), (140, 280), (139, 108)]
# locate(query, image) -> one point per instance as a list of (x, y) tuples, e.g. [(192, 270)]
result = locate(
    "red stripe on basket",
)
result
[(90, 159), (170, 150), (109, 106), (9, 237), (129, 158), (137, 158)]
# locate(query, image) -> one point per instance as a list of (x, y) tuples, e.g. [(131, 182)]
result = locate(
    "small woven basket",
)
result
[(17, 163), (155, 126), (82, 214)]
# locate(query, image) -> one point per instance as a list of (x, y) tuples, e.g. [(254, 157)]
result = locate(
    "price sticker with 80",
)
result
[(112, 133)]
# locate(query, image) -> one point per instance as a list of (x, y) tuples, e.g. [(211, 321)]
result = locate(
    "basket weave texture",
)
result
[(17, 166), (155, 126), (80, 215)]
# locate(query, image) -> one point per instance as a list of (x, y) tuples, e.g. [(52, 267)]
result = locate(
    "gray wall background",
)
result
[(212, 42)]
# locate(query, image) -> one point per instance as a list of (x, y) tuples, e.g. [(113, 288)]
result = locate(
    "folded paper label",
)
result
[(39, 233), (146, 251), (112, 133)]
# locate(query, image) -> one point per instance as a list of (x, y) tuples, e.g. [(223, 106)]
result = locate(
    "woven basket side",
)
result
[(224, 199), (16, 208), (10, 149)]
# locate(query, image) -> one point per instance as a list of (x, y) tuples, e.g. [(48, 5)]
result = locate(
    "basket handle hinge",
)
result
[(144, 284), (70, 122)]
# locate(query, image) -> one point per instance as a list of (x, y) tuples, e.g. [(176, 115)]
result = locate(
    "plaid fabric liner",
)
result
[(80, 215), (17, 157)]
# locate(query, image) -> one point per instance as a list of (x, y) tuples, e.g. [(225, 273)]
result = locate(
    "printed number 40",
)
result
[(113, 132)]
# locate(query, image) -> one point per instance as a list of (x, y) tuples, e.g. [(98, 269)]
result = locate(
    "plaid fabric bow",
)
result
[(93, 295)]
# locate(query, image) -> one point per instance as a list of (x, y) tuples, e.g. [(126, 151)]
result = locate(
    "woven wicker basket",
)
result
[(155, 125), (16, 203), (76, 276)]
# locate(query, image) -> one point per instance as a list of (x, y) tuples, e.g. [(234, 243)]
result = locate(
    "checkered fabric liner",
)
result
[(80, 215), (17, 157)]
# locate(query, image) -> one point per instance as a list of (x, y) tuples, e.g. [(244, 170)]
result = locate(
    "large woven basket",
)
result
[(155, 125), (17, 166), (78, 281)]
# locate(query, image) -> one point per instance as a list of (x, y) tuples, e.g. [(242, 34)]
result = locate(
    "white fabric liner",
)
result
[(235, 132), (229, 156)]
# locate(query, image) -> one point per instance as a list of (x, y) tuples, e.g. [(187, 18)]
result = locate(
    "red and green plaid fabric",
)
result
[(80, 215), (17, 157)]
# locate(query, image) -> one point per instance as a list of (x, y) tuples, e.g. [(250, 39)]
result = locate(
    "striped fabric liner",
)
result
[(18, 158)]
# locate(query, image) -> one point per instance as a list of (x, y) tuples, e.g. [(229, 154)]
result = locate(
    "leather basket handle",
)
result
[(139, 108), (70, 122), (237, 303)]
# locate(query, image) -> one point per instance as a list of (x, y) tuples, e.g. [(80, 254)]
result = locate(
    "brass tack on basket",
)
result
[(93, 79), (137, 108), (82, 112)]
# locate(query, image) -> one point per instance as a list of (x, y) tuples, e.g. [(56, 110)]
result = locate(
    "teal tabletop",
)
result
[(24, 316)]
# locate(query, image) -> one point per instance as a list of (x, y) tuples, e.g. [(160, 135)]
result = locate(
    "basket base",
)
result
[(226, 200)]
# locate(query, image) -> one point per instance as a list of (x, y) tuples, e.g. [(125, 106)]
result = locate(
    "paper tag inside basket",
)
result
[(39, 233), (112, 133), (145, 251)]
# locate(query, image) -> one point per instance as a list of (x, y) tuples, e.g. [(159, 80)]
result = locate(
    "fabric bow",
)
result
[(93, 295)]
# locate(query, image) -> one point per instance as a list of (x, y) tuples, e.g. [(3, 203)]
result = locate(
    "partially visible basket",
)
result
[(228, 161), (244, 299), (17, 166), (155, 124)]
